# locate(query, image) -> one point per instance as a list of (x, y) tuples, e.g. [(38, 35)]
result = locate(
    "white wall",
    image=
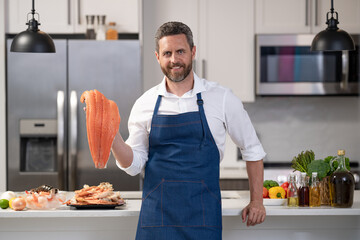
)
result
[(288, 125), (2, 99)]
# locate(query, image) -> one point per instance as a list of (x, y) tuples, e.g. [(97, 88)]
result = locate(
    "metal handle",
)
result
[(203, 68), (73, 141), (79, 11), (345, 70), (60, 138), (194, 65), (69, 12), (306, 12)]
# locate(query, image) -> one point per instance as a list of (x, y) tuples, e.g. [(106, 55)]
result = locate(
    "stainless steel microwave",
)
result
[(286, 66)]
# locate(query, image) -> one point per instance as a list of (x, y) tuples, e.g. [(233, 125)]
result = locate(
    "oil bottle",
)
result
[(304, 190), (314, 198), (292, 192), (342, 183)]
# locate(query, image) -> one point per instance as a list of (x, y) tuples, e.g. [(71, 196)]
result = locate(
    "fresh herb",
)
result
[(336, 164), (301, 161)]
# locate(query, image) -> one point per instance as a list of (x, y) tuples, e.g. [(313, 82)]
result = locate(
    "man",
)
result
[(177, 131)]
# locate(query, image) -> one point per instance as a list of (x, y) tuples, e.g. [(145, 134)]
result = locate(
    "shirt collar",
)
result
[(198, 87)]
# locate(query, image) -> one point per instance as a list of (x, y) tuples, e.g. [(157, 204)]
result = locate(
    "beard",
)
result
[(178, 76)]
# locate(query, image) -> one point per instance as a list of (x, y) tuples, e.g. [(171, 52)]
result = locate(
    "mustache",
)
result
[(176, 65)]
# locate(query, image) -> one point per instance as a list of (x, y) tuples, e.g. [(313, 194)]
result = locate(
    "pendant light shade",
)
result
[(33, 40), (332, 38)]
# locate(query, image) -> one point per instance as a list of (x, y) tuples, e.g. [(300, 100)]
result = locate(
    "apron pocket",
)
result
[(212, 208), (150, 215), (182, 203)]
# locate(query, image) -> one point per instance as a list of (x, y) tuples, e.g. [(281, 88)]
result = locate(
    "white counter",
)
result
[(282, 222)]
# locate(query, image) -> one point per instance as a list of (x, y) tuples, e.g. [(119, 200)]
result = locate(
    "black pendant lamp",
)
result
[(332, 38), (33, 40)]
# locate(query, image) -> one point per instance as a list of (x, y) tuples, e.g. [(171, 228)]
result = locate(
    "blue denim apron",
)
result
[(181, 195)]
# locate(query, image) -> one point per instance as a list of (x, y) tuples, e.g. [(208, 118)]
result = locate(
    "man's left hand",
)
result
[(255, 213)]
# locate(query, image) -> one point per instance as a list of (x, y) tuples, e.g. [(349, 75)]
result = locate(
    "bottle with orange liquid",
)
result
[(314, 198), (112, 33)]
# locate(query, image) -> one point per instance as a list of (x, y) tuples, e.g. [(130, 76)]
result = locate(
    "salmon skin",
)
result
[(102, 124)]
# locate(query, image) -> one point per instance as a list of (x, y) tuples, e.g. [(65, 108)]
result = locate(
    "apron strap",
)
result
[(200, 103), (156, 109)]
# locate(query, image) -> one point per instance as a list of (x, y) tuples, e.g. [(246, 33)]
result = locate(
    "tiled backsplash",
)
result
[(288, 125)]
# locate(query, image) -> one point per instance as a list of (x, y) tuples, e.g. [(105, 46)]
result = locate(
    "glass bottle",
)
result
[(292, 192), (101, 29), (90, 30), (342, 183), (112, 33), (314, 197), (304, 190)]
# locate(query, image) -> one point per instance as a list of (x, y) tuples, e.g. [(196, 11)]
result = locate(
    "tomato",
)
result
[(285, 185), (265, 193)]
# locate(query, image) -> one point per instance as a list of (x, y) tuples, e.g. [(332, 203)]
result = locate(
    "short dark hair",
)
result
[(173, 28)]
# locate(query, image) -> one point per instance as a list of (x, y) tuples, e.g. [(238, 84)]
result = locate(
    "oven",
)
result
[(286, 66)]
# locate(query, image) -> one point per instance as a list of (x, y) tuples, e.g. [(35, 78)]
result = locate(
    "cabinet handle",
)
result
[(79, 11), (306, 12), (194, 65), (203, 69), (69, 12), (316, 12)]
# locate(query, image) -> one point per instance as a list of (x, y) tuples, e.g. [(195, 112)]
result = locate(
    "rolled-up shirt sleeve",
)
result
[(240, 128)]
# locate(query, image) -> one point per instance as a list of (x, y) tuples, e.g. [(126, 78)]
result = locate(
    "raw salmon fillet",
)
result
[(102, 124)]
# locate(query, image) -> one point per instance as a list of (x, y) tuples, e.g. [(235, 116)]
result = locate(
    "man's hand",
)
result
[(255, 213)]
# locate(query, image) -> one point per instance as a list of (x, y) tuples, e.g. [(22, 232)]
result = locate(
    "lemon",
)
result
[(4, 203), (10, 202)]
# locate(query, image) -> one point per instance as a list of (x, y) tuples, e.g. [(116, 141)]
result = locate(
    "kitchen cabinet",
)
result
[(223, 33), (304, 16), (68, 16)]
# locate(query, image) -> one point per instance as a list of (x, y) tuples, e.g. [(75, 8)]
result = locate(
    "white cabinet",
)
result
[(68, 16), (304, 16), (223, 33)]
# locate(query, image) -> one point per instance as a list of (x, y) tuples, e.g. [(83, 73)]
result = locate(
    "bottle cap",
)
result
[(341, 152)]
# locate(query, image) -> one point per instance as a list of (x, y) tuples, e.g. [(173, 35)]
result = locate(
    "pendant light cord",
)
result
[(332, 8), (33, 9)]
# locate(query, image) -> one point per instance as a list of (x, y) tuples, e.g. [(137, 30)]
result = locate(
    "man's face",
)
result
[(175, 57)]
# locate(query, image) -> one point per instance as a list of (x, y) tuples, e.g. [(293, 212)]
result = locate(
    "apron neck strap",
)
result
[(157, 105)]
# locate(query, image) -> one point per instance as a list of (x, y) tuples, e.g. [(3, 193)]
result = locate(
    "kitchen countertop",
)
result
[(232, 203), (281, 223)]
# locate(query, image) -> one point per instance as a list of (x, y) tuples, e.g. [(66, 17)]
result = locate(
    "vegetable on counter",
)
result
[(276, 193), (301, 161), (336, 164), (265, 193), (270, 183), (285, 186), (319, 166)]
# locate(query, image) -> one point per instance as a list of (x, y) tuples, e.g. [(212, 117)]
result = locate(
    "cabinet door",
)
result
[(348, 11), (124, 12), (155, 13), (55, 15), (283, 16), (227, 45)]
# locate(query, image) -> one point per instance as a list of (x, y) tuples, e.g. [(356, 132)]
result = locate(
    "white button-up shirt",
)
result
[(224, 113)]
